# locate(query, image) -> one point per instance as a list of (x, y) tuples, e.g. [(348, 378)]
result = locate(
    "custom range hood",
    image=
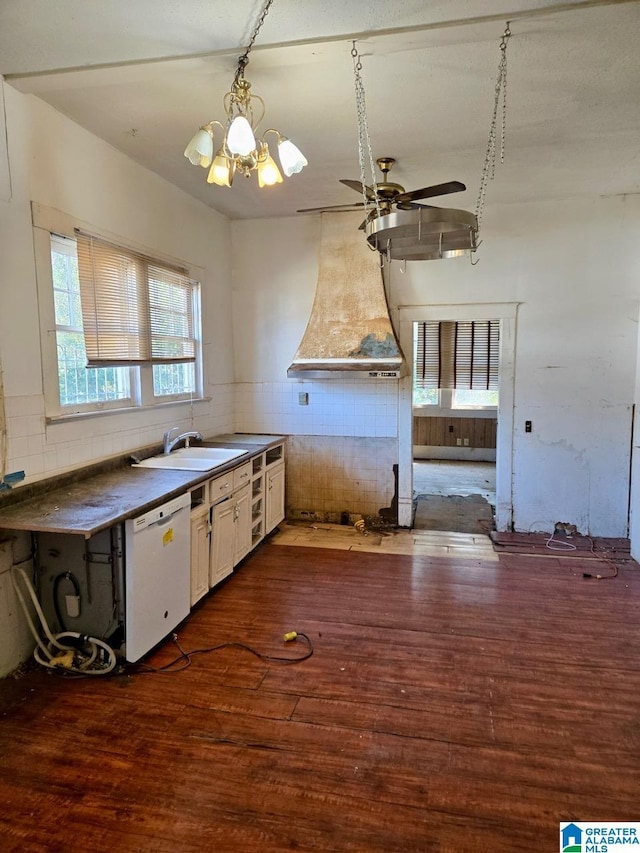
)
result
[(349, 329)]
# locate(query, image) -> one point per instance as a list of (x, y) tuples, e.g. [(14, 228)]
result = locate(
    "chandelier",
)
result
[(241, 149)]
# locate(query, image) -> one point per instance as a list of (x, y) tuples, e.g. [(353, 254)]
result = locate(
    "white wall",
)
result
[(59, 165), (274, 284), (56, 163), (634, 533), (573, 267)]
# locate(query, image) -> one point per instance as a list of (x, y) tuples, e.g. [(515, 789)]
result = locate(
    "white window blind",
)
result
[(460, 355), (135, 310)]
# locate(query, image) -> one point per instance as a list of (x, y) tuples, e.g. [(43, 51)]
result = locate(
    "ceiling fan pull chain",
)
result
[(489, 166), (364, 142)]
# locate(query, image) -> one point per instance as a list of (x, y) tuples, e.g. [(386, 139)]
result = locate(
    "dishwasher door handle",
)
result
[(167, 518)]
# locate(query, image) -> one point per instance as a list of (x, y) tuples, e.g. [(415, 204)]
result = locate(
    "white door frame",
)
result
[(506, 312)]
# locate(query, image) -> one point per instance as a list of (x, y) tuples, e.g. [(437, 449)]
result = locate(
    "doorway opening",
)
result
[(456, 444)]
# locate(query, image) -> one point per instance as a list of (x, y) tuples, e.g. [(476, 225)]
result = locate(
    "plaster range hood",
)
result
[(349, 330)]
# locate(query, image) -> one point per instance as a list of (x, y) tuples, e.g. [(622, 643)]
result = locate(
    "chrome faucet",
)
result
[(169, 443)]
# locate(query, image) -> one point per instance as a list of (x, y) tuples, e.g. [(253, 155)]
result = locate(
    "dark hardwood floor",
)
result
[(451, 705)]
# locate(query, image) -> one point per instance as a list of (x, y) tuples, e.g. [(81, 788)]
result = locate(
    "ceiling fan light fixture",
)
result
[(199, 151), (241, 147)]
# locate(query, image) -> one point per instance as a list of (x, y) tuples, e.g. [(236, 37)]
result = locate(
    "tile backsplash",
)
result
[(42, 449), (340, 454), (345, 406)]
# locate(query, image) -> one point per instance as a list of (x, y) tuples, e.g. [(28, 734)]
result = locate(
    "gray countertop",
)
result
[(90, 504)]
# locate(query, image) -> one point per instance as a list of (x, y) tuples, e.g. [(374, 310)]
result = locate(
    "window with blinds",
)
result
[(135, 310), (457, 355)]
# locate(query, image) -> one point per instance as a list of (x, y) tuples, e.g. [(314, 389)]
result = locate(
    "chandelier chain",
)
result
[(500, 96), (364, 141), (243, 60)]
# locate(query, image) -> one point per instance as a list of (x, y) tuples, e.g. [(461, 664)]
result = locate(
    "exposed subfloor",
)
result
[(448, 477), (453, 495)]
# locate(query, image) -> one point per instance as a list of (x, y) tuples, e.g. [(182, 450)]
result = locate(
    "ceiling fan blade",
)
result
[(357, 186), (412, 205), (431, 192), (355, 206)]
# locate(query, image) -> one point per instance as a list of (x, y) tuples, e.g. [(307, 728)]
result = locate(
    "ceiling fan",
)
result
[(389, 194)]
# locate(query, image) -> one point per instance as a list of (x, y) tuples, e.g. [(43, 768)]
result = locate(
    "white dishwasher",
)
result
[(157, 574)]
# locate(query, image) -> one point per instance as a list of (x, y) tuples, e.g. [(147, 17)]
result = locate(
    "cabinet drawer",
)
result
[(220, 486), (242, 475)]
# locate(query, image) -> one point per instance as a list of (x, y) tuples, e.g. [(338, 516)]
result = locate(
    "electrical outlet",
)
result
[(466, 442), (459, 441), (303, 398)]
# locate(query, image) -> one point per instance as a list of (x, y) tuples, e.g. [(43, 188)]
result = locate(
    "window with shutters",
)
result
[(127, 327), (456, 364)]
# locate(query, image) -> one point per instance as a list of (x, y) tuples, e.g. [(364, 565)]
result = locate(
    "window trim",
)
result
[(130, 402), (47, 221)]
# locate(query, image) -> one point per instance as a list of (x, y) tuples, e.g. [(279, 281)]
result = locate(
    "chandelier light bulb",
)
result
[(199, 151), (291, 158), (268, 172), (240, 138), (221, 171)]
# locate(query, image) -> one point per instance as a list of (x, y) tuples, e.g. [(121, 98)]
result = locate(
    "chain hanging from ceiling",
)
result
[(365, 155), (489, 166)]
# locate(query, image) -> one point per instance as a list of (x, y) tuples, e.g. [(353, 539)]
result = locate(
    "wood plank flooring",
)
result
[(453, 703)]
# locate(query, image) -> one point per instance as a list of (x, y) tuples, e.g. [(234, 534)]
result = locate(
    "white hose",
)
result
[(44, 654)]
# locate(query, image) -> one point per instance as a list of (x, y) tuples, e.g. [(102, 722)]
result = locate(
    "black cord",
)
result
[(184, 658)]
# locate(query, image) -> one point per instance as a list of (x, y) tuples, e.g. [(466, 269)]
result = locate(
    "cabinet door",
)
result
[(222, 541), (199, 554), (275, 497), (242, 501)]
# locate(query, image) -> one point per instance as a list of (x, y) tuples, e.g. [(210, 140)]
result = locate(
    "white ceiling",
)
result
[(145, 75)]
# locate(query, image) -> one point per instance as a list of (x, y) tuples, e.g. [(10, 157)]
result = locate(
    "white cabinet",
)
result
[(274, 497), (222, 541), (200, 530), (231, 514), (230, 533)]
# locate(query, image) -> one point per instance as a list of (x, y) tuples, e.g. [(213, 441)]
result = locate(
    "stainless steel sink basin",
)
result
[(193, 458)]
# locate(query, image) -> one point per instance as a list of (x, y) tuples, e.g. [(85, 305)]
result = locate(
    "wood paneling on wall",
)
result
[(444, 432)]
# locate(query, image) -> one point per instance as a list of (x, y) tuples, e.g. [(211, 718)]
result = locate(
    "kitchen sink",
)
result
[(192, 458)]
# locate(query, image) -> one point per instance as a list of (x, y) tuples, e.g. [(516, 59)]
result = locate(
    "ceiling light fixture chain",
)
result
[(243, 60), (489, 166), (241, 149), (364, 142)]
